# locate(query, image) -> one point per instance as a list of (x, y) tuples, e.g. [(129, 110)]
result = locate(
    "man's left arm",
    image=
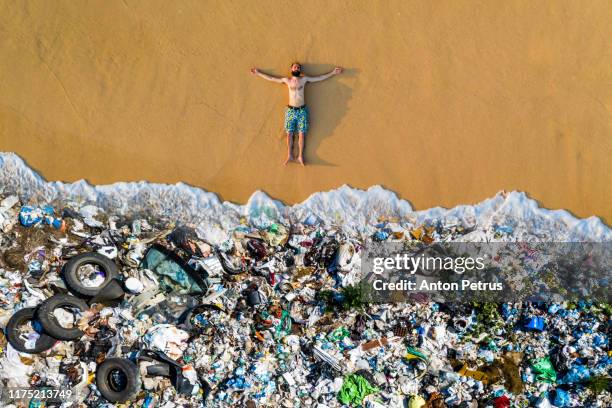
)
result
[(336, 71)]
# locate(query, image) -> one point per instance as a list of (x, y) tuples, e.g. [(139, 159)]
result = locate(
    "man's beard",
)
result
[(296, 73)]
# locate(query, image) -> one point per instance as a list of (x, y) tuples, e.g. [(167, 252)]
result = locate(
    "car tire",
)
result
[(186, 317), (49, 322), (73, 281), (228, 265), (44, 342), (161, 370), (106, 384)]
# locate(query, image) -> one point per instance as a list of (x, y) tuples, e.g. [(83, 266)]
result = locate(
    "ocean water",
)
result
[(355, 211)]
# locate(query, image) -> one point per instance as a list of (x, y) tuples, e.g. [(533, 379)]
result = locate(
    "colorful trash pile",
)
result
[(139, 313)]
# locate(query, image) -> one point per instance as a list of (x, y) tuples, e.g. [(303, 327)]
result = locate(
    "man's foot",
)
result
[(289, 158), (301, 161)]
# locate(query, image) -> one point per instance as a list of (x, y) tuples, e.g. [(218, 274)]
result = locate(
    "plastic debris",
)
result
[(416, 401), (30, 216), (269, 314), (544, 370), (354, 389), (166, 338), (535, 323)]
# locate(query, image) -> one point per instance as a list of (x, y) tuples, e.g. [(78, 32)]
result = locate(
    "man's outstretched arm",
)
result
[(255, 71), (336, 71)]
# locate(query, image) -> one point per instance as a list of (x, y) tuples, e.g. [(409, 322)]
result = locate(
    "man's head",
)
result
[(296, 69)]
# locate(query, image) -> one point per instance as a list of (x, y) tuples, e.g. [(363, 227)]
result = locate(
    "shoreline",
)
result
[(358, 210)]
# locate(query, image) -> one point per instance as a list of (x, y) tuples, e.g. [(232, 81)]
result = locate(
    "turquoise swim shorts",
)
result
[(296, 119)]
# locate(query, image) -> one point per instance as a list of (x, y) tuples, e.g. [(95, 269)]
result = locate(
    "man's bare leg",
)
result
[(289, 148), (301, 146)]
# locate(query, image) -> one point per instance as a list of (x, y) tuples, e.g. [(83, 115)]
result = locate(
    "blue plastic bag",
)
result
[(535, 323), (562, 398)]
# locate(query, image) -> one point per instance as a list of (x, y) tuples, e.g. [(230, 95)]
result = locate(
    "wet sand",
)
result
[(443, 102)]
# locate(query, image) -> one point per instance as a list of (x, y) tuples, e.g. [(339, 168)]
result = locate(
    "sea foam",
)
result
[(353, 210)]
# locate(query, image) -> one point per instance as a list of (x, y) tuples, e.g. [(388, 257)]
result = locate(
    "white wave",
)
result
[(354, 210)]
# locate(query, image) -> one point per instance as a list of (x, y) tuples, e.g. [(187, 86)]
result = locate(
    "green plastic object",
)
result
[(339, 334), (354, 389), (416, 353), (544, 370), (284, 326)]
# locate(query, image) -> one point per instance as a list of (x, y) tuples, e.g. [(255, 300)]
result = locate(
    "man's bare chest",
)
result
[(296, 85)]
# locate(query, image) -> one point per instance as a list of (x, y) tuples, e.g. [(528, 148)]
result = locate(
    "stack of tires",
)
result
[(117, 379), (45, 323), (43, 318)]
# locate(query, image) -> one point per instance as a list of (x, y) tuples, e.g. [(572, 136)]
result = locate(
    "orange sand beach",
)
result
[(443, 102)]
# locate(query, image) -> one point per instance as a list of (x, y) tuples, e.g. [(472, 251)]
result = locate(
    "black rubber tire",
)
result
[(44, 342), (72, 266), (161, 370), (49, 322), (103, 381), (186, 317), (227, 264)]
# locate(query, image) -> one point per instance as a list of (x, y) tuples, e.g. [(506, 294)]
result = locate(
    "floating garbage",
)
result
[(30, 216), (140, 312)]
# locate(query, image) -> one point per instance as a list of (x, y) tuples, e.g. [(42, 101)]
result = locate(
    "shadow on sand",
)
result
[(328, 103)]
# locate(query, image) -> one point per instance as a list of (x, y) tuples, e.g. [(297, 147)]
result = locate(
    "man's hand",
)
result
[(335, 71), (267, 77)]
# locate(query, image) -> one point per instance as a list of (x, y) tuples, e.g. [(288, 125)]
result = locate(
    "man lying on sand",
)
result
[(296, 117)]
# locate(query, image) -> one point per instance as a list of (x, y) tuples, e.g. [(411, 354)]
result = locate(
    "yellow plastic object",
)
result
[(417, 233), (477, 375), (416, 401)]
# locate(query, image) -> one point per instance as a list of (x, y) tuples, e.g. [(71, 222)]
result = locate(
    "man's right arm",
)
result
[(255, 71)]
